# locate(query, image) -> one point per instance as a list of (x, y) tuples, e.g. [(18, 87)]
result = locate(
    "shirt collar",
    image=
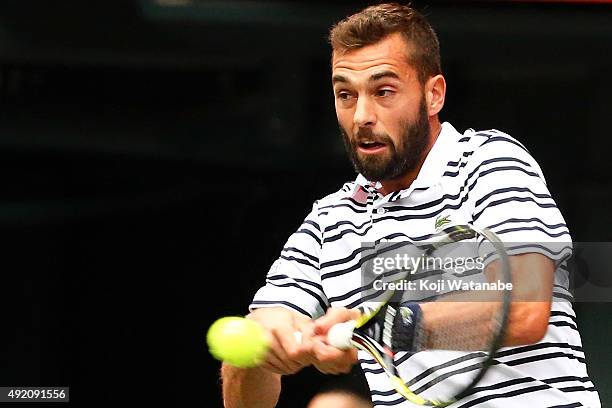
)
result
[(434, 165)]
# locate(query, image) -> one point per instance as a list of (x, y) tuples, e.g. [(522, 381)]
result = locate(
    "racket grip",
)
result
[(340, 335)]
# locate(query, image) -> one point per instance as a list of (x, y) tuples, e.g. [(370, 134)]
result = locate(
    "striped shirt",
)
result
[(485, 178)]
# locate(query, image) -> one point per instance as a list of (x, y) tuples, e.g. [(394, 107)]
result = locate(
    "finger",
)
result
[(333, 360), (274, 365), (288, 349), (334, 315), (277, 357)]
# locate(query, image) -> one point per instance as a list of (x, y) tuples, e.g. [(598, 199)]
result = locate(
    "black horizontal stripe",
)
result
[(357, 251), (511, 200), (464, 139), (526, 248), (367, 370), (564, 324), (458, 163), (315, 295), (446, 364), (550, 234), (347, 231), (506, 140), (387, 393), (565, 378), (507, 394), (516, 381), (345, 222), (281, 302), (442, 377), (314, 224), (503, 384), (363, 259), (559, 313), (563, 296), (309, 233), (425, 206), (577, 388), (523, 220), (379, 403), (508, 190), (545, 356), (510, 159), (306, 281), (537, 346), (305, 254), (349, 206), (346, 259), (508, 168), (299, 260), (572, 405)]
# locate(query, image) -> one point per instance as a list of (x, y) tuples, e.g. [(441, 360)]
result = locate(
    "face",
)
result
[(381, 109)]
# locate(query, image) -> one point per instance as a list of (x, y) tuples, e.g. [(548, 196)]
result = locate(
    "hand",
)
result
[(286, 355), (328, 359)]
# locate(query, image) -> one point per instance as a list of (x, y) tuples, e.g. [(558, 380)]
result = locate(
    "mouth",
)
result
[(371, 146)]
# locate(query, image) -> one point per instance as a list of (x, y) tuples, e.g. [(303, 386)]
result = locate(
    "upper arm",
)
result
[(294, 280)]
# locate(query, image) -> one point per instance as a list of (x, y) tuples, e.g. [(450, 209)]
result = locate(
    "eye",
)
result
[(343, 95), (384, 92)]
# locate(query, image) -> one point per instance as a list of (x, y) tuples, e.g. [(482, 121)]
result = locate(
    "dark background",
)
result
[(155, 156)]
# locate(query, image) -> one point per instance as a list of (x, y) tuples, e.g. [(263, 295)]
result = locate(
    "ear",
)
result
[(435, 92)]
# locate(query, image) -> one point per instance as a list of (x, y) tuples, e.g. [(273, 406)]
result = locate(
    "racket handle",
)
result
[(340, 335)]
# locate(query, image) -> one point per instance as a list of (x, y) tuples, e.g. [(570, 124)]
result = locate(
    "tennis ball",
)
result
[(237, 341)]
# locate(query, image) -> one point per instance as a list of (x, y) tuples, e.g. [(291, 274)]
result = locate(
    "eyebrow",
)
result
[(384, 74), (374, 77)]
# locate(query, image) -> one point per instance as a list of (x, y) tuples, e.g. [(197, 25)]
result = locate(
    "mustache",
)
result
[(367, 135)]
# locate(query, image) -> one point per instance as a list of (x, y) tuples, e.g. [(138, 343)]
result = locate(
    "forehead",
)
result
[(391, 53)]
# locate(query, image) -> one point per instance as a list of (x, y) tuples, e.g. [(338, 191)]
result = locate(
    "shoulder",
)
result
[(496, 148), (344, 194)]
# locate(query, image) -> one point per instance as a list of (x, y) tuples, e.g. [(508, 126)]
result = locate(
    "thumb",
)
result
[(334, 315)]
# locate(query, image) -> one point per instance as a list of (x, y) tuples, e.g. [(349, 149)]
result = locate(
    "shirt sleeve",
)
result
[(294, 279), (508, 195)]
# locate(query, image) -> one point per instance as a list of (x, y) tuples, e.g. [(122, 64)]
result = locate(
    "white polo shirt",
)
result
[(485, 178)]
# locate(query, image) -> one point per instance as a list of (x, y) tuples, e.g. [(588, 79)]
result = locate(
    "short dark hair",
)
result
[(374, 23)]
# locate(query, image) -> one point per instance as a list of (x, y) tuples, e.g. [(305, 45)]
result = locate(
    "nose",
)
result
[(364, 113)]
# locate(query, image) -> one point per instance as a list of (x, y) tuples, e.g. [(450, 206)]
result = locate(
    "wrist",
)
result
[(408, 332)]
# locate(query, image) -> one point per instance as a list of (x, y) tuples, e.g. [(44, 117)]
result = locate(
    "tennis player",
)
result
[(415, 175)]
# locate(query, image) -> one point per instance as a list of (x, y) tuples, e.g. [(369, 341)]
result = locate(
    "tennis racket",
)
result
[(441, 359)]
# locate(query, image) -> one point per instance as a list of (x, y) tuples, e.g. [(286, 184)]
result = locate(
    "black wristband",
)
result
[(407, 334)]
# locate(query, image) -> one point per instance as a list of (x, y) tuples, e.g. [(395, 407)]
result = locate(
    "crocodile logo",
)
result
[(442, 221)]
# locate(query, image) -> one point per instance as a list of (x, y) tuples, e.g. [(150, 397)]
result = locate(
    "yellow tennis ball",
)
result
[(237, 341)]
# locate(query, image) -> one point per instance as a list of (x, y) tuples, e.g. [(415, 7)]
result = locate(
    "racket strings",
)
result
[(465, 334)]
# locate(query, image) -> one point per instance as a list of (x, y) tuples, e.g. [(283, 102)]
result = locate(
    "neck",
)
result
[(404, 181)]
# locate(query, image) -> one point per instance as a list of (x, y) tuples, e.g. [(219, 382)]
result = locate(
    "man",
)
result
[(413, 170)]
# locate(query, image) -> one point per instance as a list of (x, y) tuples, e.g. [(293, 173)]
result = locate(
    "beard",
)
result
[(398, 160)]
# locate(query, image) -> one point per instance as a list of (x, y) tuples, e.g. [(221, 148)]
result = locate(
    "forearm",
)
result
[(458, 325), (249, 388), (462, 321)]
